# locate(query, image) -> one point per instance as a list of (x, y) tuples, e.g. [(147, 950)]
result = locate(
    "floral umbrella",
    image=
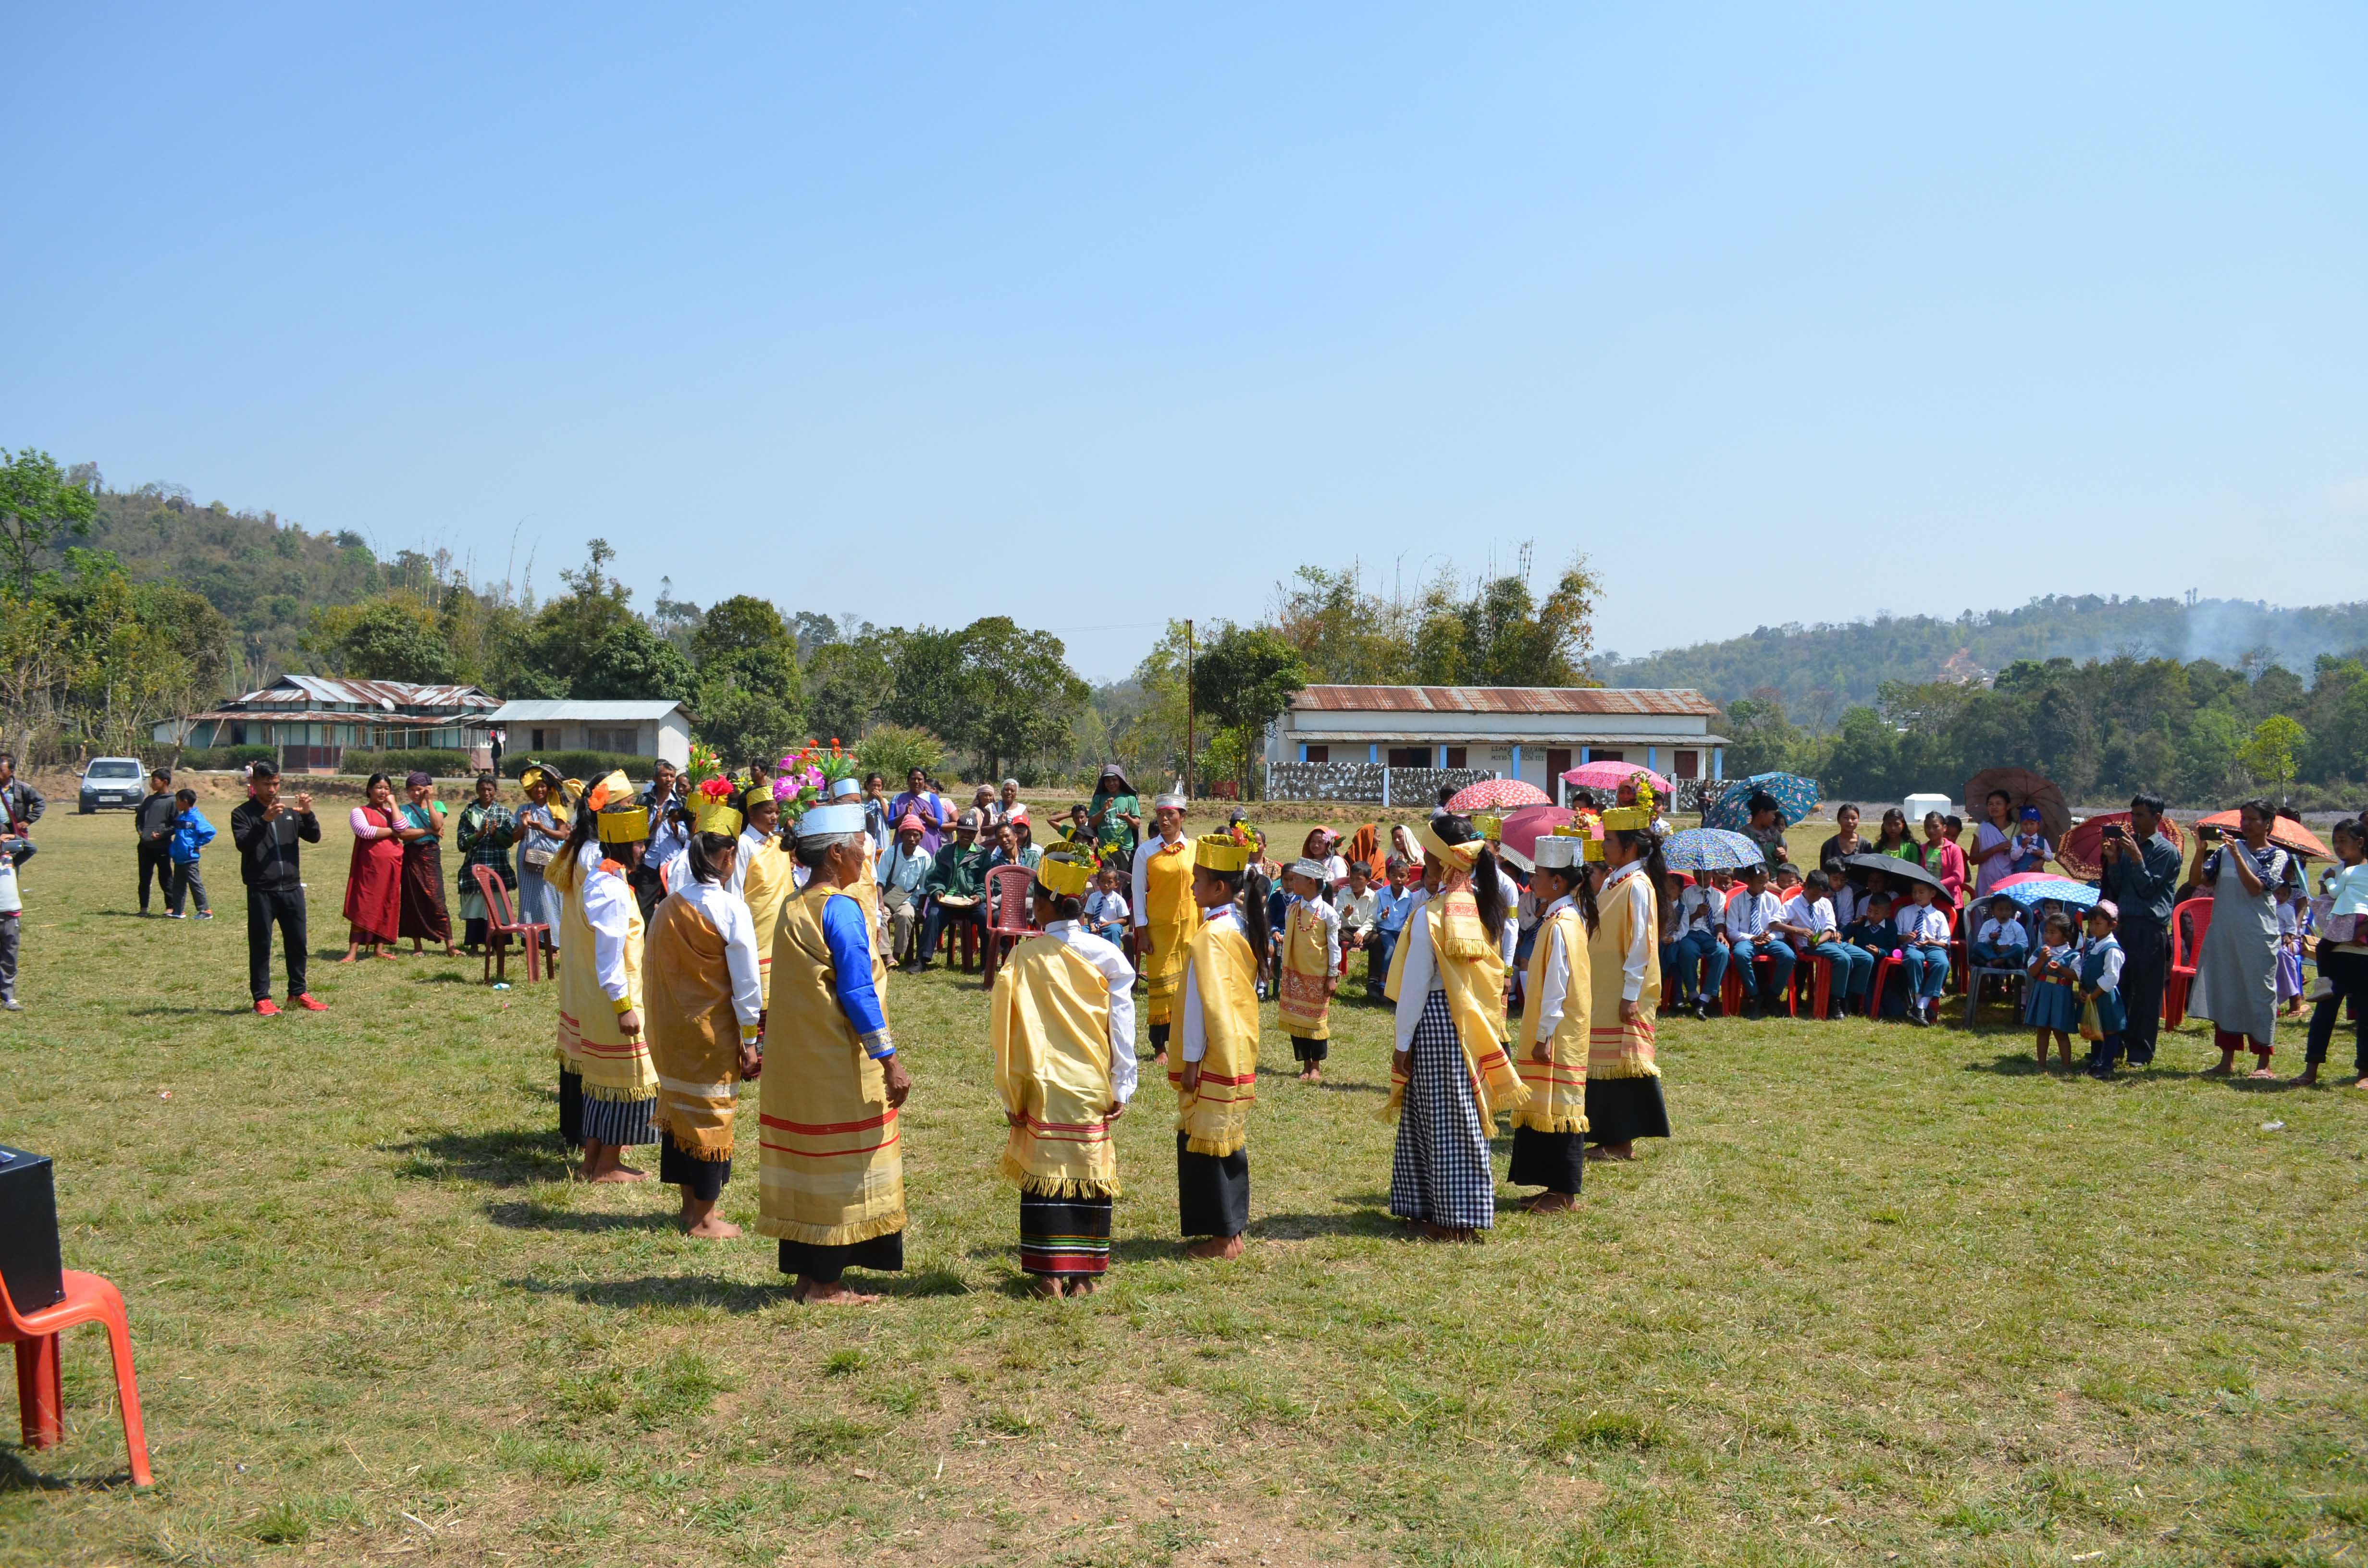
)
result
[(2080, 850), (1711, 850), (1519, 834), (1496, 795), (2030, 888), (1609, 776), (1796, 797)]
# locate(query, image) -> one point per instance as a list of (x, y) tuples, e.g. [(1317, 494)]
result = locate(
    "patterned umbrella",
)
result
[(1710, 849), (1496, 795), (1796, 797), (1609, 776), (2080, 850), (2023, 787), (2030, 888), (2284, 832)]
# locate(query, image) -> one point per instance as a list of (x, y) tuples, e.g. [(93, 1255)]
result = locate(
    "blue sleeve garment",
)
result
[(845, 931)]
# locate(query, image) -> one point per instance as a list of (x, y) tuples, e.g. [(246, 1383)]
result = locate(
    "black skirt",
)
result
[(1064, 1237), (703, 1179), (1620, 1110), (1309, 1050), (1554, 1161), (571, 1109), (823, 1265), (1212, 1195)]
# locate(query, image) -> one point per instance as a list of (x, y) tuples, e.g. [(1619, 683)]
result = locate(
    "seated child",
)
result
[(1698, 956), (1752, 934), (1356, 904), (1106, 909), (2001, 942), (1872, 934), (1924, 952), (1854, 968), (2100, 985), (2051, 1007), (1391, 904)]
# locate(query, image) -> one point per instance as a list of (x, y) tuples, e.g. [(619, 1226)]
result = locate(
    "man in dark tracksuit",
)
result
[(267, 832), (151, 819), (2141, 873)]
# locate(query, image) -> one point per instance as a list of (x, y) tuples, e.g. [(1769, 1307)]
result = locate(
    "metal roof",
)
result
[(279, 713), (1660, 701), (1672, 740), (548, 709), (292, 690)]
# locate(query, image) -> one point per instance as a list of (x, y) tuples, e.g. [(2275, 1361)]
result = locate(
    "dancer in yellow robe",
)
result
[(1165, 918), (1549, 1049), (608, 1090), (1624, 1082), (1217, 1075)]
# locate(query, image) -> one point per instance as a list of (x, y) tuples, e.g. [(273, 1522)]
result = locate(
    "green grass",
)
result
[(1886, 1291)]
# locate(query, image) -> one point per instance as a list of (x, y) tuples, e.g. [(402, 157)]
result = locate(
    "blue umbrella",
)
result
[(2079, 895), (1711, 850), (1795, 796)]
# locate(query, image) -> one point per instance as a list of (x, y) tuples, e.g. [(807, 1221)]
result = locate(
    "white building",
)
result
[(1521, 732), (654, 727)]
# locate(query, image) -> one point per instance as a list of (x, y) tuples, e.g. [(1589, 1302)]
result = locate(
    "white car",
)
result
[(112, 781)]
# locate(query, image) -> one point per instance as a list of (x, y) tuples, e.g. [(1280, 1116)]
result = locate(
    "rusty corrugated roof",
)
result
[(290, 690), (1665, 701)]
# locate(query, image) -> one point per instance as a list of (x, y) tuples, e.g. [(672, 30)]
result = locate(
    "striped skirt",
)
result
[(1440, 1171), (1066, 1238)]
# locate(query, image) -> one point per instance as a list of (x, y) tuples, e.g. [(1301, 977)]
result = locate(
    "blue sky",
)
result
[(1095, 316)]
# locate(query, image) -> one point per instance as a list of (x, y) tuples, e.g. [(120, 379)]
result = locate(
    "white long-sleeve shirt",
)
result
[(728, 913), (1702, 908), (608, 909), (2108, 969), (2002, 934), (1554, 985), (1509, 938), (1119, 975), (751, 841), (1329, 918), (1627, 883), (1921, 923), (1420, 978), (1748, 915), (1143, 854), (1195, 1028)]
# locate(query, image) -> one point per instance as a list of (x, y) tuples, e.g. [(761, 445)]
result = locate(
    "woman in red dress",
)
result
[(374, 876)]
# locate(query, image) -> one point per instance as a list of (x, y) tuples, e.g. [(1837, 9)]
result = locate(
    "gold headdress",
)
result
[(1063, 876), (1225, 853)]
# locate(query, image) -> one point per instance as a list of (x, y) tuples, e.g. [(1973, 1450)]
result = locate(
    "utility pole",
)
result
[(1187, 711)]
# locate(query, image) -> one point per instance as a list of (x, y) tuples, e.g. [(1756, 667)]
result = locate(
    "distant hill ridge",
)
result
[(1821, 670)]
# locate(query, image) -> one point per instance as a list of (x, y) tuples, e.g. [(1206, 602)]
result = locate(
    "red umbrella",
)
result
[(1609, 776), (2284, 832), (1495, 795), (1525, 827), (2079, 852)]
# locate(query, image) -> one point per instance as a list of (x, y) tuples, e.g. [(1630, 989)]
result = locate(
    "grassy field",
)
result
[(1888, 1294)]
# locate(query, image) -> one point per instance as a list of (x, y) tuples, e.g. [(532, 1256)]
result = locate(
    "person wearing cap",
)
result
[(903, 877), (706, 1020), (608, 1086), (2100, 990), (1165, 916), (1008, 802), (989, 809), (1557, 1010), (864, 890), (1451, 1074), (542, 832), (1114, 816), (954, 888), (1307, 970), (424, 916), (1215, 1077), (1061, 1038), (831, 1186)]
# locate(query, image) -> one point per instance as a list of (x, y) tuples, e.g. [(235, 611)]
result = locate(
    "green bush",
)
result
[(895, 750), (396, 763), (584, 765), (225, 757)]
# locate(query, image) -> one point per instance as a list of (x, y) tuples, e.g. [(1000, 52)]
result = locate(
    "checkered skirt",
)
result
[(1440, 1171)]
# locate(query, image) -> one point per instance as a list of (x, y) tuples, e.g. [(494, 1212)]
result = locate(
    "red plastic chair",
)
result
[(1730, 993), (1007, 907), (1883, 968), (41, 1372), (2182, 966), (1815, 975), (502, 924)]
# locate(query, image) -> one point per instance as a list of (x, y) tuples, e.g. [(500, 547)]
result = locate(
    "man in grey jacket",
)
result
[(2141, 873)]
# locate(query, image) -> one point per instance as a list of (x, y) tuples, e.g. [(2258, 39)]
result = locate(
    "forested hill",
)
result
[(1821, 670)]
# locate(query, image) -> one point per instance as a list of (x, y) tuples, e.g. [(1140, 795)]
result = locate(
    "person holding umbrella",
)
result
[(2140, 872)]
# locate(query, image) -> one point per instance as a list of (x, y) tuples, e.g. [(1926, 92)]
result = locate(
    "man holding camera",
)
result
[(268, 833), (2141, 871)]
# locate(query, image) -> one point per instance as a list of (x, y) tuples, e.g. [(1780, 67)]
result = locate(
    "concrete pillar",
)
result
[(1718, 764), (1651, 756), (1303, 751), (1373, 752), (1517, 762), (1585, 753), (1442, 756)]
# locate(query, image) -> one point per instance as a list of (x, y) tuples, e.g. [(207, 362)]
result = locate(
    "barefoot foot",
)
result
[(1221, 1248)]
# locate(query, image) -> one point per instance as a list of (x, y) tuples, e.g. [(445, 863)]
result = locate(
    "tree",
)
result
[(38, 504), (849, 685), (389, 637), (569, 632), (747, 728), (894, 751), (633, 663), (2269, 753), (1026, 695), (1242, 680), (1502, 635), (743, 643)]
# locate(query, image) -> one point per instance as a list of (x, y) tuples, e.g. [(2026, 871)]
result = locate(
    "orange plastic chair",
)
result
[(1007, 902), (41, 1374), (502, 924), (2183, 961)]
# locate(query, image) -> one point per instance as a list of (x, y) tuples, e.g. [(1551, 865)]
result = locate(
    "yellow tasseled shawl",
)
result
[(1049, 1034), (1471, 968)]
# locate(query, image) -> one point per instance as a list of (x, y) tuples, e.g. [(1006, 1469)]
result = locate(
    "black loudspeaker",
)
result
[(29, 1260)]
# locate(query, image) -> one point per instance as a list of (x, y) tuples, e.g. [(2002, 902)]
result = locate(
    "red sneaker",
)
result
[(306, 1000), (265, 1008)]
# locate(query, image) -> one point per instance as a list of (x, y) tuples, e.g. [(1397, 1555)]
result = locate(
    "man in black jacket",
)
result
[(20, 804), (267, 832), (152, 820), (2141, 871)]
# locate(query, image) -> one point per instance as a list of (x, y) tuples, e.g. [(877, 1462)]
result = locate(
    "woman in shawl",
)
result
[(1114, 817), (608, 1089), (486, 833), (1624, 1082), (1450, 1075), (542, 831), (374, 875), (706, 1027), (1558, 992), (422, 866), (2235, 983), (1941, 856), (1216, 1080)]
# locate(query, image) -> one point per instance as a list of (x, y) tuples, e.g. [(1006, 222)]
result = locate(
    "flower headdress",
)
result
[(803, 777)]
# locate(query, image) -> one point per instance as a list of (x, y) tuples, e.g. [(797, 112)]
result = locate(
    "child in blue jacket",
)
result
[(191, 834)]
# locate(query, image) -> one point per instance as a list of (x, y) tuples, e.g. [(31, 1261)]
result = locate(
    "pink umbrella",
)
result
[(1495, 795), (1525, 827), (1609, 776)]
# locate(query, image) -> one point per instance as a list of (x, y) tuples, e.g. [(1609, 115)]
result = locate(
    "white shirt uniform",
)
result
[(1195, 1028), (608, 909), (728, 913), (1629, 882), (1554, 985)]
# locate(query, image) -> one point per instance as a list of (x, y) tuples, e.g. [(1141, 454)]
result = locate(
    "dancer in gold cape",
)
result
[(831, 1175), (1623, 1082), (1216, 1077), (1309, 968), (1165, 916), (763, 871), (1450, 1075), (608, 1090), (1550, 1051), (1062, 1034), (706, 1024)]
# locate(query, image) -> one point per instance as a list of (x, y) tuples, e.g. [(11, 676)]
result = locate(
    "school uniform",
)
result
[(2101, 971), (1928, 967), (2000, 944), (1854, 968), (1749, 938), (2051, 1004)]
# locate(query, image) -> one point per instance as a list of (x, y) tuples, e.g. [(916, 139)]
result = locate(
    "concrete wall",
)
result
[(1362, 781)]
